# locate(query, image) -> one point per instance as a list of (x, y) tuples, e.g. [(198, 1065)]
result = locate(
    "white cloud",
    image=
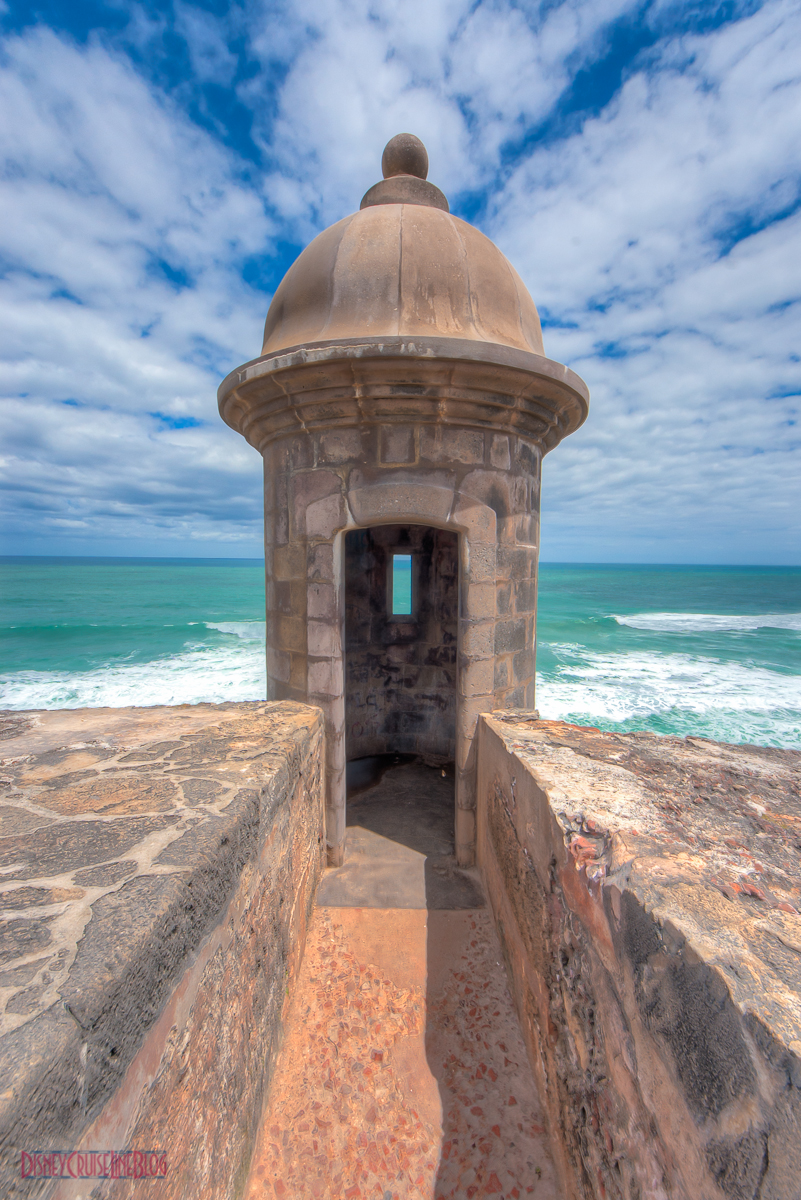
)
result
[(465, 77), (125, 227), (620, 232), (211, 58), (106, 180)]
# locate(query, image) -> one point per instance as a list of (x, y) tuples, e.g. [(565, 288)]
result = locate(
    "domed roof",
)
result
[(403, 266)]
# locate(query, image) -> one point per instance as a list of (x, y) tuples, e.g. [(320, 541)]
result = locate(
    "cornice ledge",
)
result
[(440, 350)]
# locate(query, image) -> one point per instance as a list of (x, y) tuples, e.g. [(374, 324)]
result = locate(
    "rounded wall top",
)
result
[(403, 266)]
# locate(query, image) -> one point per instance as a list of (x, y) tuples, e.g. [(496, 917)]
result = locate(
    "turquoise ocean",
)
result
[(714, 651)]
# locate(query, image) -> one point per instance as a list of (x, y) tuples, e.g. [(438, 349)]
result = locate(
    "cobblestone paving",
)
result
[(403, 1073)]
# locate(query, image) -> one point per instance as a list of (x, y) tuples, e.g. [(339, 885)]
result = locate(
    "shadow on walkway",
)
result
[(400, 849), (403, 1073)]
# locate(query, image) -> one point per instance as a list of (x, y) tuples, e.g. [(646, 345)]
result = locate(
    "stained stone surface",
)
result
[(152, 861), (402, 381), (633, 981), (648, 890), (404, 1073), (400, 673)]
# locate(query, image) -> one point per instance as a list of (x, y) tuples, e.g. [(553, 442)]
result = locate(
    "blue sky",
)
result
[(639, 163)]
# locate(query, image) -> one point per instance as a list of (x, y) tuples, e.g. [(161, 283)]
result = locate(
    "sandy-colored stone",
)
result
[(649, 894), (407, 351), (403, 1071), (146, 944)]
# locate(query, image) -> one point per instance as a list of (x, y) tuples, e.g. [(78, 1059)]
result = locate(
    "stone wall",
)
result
[(158, 871), (479, 485), (400, 672), (646, 891)]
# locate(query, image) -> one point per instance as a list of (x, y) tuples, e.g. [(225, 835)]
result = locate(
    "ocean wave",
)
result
[(249, 631), (677, 622), (202, 674), (678, 693)]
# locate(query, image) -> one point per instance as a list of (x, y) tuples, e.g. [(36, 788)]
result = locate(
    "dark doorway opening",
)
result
[(401, 621)]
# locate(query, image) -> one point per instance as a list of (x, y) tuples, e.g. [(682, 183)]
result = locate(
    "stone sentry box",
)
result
[(402, 382)]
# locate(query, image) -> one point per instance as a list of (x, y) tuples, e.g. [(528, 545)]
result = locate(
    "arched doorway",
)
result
[(401, 629), (401, 718)]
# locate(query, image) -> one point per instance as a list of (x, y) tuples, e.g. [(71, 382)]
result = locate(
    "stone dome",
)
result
[(403, 266), (402, 314)]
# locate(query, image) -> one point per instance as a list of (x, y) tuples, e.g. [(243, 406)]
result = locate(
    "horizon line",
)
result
[(556, 562)]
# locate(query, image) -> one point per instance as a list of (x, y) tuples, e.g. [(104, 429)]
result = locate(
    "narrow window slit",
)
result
[(401, 585)]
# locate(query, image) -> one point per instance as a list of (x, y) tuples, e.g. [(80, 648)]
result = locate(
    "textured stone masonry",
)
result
[(157, 871), (157, 868), (400, 672), (312, 502), (647, 892), (402, 381)]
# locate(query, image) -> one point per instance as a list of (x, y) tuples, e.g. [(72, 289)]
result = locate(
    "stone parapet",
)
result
[(647, 894), (157, 871)]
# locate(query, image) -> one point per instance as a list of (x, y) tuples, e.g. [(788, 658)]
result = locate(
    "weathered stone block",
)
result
[(430, 442), (500, 455), (646, 996), (478, 520), (397, 444), (482, 558), (526, 595), (325, 517), (310, 486), (289, 562), (477, 678), (477, 640), (290, 632), (278, 664), (322, 601), (522, 664), (516, 562), (511, 635), (322, 639), (462, 445), (493, 488), (325, 677), (160, 1010), (291, 454), (416, 501), (503, 598), (318, 559), (480, 601), (339, 446)]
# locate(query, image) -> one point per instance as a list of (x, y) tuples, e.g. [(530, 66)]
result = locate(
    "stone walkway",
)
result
[(403, 1072)]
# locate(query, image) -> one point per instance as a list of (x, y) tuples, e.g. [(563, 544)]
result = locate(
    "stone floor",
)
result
[(403, 1072)]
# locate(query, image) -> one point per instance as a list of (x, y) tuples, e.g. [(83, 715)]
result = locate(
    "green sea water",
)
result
[(714, 651), (119, 631)]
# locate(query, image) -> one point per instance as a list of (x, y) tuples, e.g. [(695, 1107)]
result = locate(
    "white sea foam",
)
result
[(677, 622), (729, 701), (201, 674), (249, 631), (681, 693)]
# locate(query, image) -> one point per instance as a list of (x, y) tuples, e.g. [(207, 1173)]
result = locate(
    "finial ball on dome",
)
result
[(404, 154)]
